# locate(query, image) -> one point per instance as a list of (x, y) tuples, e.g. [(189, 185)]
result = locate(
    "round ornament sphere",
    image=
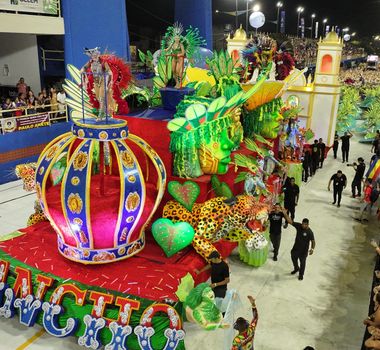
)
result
[(346, 37), (257, 19)]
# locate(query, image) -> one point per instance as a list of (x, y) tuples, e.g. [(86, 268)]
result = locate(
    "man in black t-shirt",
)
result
[(275, 220), (300, 250), (339, 181), (336, 145), (291, 194), (345, 145), (314, 157), (359, 174), (322, 150), (220, 274)]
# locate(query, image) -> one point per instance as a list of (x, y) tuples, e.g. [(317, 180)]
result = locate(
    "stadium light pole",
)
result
[(247, 16), (279, 6), (324, 26), (299, 11), (312, 24)]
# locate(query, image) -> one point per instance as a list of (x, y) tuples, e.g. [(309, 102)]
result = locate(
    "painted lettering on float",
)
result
[(28, 298)]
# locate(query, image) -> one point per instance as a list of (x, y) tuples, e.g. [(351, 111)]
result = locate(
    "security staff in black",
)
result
[(275, 220), (301, 250), (357, 181), (291, 194), (339, 181), (345, 145)]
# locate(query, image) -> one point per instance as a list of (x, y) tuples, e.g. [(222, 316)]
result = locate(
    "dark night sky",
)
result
[(362, 17)]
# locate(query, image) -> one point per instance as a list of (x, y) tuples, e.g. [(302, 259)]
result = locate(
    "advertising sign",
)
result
[(35, 6), (25, 123)]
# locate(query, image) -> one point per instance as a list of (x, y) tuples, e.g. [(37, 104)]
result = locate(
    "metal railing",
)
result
[(53, 115), (44, 57)]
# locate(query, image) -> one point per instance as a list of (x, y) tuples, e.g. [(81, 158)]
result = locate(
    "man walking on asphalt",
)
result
[(275, 220), (301, 246), (339, 181), (345, 145), (291, 194), (357, 181)]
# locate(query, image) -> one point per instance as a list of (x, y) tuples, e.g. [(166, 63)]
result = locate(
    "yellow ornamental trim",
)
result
[(132, 201), (80, 161), (75, 203)]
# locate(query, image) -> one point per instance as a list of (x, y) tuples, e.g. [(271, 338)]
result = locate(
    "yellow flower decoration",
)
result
[(127, 159), (123, 134), (51, 152), (78, 221), (80, 161), (103, 135), (132, 178), (81, 133), (75, 203), (75, 181), (132, 202)]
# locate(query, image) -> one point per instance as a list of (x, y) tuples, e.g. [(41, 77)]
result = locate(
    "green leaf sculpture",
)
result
[(185, 194), (221, 189), (172, 237)]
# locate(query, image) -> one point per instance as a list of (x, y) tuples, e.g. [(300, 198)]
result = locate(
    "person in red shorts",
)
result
[(246, 329)]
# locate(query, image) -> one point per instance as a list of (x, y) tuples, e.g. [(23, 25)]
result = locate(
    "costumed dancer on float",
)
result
[(96, 77), (177, 53), (104, 77)]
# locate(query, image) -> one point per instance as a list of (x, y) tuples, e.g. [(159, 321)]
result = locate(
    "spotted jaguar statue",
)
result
[(26, 172), (235, 219)]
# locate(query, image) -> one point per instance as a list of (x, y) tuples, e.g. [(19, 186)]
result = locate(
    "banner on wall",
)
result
[(25, 123), (302, 27), (282, 22), (35, 6)]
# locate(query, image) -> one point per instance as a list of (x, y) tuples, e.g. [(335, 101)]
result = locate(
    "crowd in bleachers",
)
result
[(305, 51), (27, 103), (359, 76)]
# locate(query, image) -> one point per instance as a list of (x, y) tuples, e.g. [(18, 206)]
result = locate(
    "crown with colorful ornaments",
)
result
[(98, 200)]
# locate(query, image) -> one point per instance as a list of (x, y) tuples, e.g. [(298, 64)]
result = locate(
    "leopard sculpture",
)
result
[(238, 219), (27, 172)]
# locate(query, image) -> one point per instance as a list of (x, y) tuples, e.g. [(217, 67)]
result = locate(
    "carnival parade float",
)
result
[(129, 207)]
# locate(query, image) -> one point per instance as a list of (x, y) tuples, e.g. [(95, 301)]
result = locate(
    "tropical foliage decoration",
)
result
[(225, 73), (372, 119), (200, 125), (349, 110), (371, 93)]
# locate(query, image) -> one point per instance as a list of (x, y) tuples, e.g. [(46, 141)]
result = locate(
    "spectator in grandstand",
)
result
[(47, 100), (53, 101), (8, 104), (61, 99), (21, 104), (31, 103), (21, 87), (40, 105)]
